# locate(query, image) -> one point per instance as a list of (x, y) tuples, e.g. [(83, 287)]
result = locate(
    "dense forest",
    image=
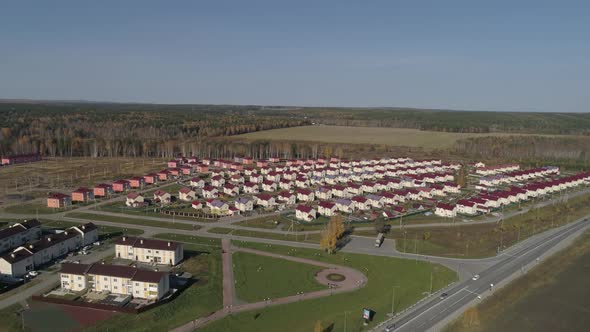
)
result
[(452, 121), (57, 129), (96, 130)]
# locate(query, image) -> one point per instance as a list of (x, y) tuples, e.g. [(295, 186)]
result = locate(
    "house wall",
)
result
[(73, 282)]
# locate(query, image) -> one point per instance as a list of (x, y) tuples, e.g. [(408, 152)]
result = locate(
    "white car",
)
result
[(33, 274), (475, 277)]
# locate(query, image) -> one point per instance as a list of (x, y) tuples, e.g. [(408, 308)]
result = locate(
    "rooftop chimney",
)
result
[(12, 255), (124, 238), (49, 239), (141, 241), (168, 243)]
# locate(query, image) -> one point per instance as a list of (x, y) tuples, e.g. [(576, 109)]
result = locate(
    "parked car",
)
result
[(33, 274), (443, 296)]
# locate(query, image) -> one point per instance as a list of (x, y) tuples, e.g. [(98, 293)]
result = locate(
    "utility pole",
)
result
[(393, 300), (431, 276), (345, 321)]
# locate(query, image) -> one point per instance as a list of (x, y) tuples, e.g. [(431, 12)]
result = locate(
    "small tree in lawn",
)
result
[(331, 235), (337, 225), (328, 241), (318, 326)]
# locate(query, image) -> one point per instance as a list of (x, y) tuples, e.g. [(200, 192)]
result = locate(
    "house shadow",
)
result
[(328, 328)]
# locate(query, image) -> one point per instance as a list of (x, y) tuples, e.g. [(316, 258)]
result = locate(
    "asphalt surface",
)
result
[(428, 315)]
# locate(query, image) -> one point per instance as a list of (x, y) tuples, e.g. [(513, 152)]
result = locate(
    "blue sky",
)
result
[(492, 55)]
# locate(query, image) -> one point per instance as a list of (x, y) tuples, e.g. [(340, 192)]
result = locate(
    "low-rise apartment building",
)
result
[(149, 250)]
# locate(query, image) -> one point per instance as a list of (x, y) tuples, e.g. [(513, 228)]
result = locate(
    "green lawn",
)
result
[(133, 221), (105, 232), (313, 238), (268, 222), (11, 319), (193, 240), (203, 297), (259, 277), (411, 277), (220, 230), (34, 208)]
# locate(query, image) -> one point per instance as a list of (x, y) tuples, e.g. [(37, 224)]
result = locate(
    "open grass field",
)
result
[(132, 221), (551, 297), (411, 278), (259, 277), (69, 173), (34, 208), (193, 240), (366, 135), (484, 240), (202, 297)]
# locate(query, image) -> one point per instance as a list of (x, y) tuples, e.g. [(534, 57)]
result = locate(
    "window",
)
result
[(79, 278), (137, 284), (114, 279), (115, 287), (105, 278)]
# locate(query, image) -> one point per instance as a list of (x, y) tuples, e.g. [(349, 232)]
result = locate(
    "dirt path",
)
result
[(353, 279)]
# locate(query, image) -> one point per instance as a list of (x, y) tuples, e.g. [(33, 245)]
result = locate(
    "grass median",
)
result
[(133, 221)]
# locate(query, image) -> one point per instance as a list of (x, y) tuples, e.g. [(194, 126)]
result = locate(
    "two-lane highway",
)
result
[(427, 315)]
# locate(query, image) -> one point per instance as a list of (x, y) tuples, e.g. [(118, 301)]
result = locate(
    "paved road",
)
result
[(430, 314)]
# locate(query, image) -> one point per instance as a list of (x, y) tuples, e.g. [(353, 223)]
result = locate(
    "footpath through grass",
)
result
[(551, 297), (260, 277), (484, 240), (133, 221), (411, 280), (202, 297)]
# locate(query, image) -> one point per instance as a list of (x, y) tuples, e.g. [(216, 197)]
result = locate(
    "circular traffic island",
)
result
[(335, 277)]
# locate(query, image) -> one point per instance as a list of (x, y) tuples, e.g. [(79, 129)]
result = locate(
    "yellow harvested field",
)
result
[(367, 135)]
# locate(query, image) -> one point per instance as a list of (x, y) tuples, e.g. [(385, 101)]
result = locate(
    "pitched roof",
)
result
[(73, 268), (160, 193), (139, 242), (326, 204), (17, 255), (185, 190), (119, 271), (304, 208), (86, 228)]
